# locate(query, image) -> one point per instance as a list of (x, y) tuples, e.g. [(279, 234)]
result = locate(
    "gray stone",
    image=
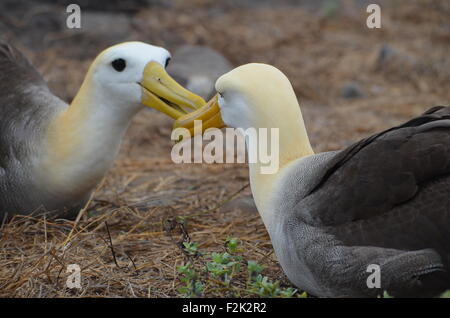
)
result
[(243, 203), (391, 59), (351, 90), (197, 68)]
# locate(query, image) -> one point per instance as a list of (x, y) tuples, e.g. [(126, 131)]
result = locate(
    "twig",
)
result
[(132, 261), (111, 245)]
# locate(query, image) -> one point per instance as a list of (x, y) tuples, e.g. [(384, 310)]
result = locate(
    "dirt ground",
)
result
[(351, 82)]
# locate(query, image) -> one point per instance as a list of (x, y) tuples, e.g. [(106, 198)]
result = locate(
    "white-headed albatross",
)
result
[(336, 217), (52, 155)]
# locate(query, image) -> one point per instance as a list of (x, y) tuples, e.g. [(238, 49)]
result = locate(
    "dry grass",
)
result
[(132, 248), (142, 198)]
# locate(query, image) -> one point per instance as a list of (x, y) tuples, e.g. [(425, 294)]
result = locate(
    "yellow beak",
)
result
[(209, 115), (163, 93)]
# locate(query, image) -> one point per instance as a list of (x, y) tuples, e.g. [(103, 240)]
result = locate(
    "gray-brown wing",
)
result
[(377, 174), (386, 200), (26, 104), (390, 190), (16, 71)]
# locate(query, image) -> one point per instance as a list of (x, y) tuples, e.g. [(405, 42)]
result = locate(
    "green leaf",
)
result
[(232, 244)]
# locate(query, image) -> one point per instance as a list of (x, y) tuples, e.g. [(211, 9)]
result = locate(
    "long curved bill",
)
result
[(209, 115), (163, 93)]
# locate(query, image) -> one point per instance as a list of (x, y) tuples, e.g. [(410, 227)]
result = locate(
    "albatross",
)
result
[(52, 155), (378, 207)]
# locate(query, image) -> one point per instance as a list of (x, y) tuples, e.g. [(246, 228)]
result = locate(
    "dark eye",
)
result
[(167, 61), (119, 64)]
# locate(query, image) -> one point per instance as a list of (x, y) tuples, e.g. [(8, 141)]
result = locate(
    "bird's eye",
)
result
[(167, 61), (119, 64), (220, 94)]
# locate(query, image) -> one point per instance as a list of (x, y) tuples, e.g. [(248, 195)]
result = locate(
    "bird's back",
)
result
[(26, 107), (384, 200)]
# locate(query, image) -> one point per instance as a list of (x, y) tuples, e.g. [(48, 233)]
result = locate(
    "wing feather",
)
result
[(376, 174)]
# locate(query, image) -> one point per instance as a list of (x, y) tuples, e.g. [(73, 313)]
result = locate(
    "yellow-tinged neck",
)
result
[(294, 144), (83, 140), (261, 96), (67, 132)]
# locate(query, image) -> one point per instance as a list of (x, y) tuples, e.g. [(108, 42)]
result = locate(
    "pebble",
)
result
[(197, 68), (352, 90)]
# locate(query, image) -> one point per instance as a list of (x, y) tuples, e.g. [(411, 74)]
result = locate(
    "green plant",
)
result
[(219, 274), (446, 294), (223, 266), (191, 248), (253, 269), (331, 8), (231, 245), (192, 287), (262, 286), (386, 295)]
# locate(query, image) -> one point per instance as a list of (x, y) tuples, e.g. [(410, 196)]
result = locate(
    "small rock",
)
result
[(197, 68), (388, 58), (351, 90), (384, 54), (242, 203)]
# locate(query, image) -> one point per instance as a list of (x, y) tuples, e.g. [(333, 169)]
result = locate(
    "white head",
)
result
[(132, 74), (83, 140), (256, 96)]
